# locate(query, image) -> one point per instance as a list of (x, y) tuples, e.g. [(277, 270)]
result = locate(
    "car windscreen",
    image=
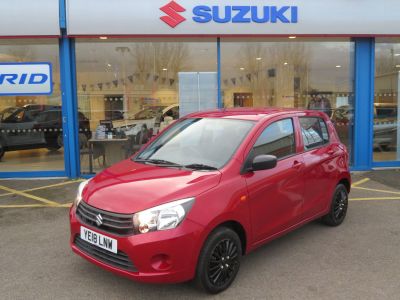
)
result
[(202, 143)]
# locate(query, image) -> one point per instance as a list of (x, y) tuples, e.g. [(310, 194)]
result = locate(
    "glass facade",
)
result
[(298, 73), (31, 137), (129, 89), (387, 100)]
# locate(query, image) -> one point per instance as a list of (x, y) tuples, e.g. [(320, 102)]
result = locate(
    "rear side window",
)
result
[(314, 132), (277, 139)]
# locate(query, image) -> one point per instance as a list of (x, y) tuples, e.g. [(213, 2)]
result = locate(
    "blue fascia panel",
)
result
[(220, 104), (70, 112), (33, 174), (62, 14), (364, 103), (386, 164)]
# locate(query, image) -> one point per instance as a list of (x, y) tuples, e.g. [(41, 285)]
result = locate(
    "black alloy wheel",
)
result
[(338, 211), (223, 262), (219, 260)]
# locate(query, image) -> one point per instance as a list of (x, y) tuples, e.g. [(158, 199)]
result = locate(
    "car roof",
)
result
[(251, 114)]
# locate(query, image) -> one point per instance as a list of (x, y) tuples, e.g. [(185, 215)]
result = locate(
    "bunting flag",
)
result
[(134, 79)]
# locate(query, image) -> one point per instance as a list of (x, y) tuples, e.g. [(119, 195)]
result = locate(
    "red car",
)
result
[(210, 188)]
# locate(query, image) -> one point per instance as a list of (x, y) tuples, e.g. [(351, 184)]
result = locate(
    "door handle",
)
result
[(297, 164)]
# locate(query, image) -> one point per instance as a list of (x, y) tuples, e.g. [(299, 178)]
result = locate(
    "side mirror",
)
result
[(264, 162)]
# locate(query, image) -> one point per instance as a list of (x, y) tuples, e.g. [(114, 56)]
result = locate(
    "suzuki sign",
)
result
[(233, 17), (25, 79), (226, 14)]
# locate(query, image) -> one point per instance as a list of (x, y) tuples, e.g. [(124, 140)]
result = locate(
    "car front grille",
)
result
[(119, 224), (119, 260)]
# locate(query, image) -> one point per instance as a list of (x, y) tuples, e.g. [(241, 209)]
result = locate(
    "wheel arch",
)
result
[(346, 183), (236, 227)]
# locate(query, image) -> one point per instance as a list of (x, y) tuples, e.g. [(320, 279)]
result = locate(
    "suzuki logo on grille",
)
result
[(172, 18), (99, 220)]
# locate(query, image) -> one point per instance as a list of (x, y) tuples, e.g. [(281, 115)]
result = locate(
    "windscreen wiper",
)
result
[(200, 167), (158, 162)]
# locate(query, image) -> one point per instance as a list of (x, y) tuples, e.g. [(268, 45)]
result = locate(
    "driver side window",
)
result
[(277, 139)]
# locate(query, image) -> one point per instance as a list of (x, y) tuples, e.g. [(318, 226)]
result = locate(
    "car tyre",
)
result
[(219, 261), (339, 205)]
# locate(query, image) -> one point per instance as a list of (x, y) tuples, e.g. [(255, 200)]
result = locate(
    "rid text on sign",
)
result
[(26, 79)]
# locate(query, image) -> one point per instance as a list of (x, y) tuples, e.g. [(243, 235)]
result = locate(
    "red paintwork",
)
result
[(266, 204)]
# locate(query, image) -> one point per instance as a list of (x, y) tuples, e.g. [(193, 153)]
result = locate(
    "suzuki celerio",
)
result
[(210, 188)]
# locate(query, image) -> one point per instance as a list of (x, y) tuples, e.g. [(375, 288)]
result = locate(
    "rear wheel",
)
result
[(338, 211), (219, 261)]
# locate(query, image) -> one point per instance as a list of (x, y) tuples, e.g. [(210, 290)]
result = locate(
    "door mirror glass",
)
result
[(264, 162)]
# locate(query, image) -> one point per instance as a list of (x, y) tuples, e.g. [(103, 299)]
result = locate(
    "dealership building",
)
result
[(83, 84)]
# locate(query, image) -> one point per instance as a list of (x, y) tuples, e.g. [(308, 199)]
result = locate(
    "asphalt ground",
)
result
[(358, 260)]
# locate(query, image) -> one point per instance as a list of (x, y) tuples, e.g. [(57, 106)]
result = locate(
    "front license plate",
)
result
[(99, 240)]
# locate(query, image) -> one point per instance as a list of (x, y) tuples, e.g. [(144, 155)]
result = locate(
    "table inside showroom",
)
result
[(114, 150)]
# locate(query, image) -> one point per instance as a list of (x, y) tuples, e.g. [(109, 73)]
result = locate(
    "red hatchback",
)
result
[(210, 188)]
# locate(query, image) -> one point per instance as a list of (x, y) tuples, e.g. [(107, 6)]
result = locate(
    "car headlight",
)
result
[(78, 198), (163, 217)]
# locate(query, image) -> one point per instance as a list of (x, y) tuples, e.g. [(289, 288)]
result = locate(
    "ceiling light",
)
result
[(397, 66), (338, 66), (258, 58), (397, 54), (165, 69), (292, 37), (103, 37), (285, 63), (241, 69)]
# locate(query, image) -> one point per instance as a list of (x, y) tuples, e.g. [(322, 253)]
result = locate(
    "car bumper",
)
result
[(158, 257)]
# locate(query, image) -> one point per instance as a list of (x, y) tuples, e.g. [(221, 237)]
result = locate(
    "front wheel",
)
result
[(219, 261), (338, 210)]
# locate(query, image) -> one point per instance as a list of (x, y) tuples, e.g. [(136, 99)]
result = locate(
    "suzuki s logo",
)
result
[(99, 220), (172, 18)]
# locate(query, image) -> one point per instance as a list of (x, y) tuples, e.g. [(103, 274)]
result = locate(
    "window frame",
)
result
[(327, 131), (268, 125)]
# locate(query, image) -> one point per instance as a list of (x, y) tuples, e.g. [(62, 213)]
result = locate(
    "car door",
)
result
[(319, 165), (276, 195)]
